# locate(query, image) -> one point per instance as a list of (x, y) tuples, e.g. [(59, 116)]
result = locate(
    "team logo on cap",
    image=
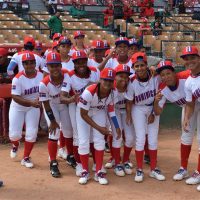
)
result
[(162, 63), (27, 55), (53, 56), (125, 67), (78, 53), (110, 73), (98, 43), (105, 44), (188, 49)]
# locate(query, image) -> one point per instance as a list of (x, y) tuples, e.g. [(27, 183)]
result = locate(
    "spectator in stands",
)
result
[(149, 10), (128, 13), (156, 27), (4, 103), (144, 29), (196, 15), (108, 15), (55, 24), (76, 11)]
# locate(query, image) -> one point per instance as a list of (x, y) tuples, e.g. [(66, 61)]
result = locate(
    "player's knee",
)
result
[(117, 143), (67, 133), (83, 149), (99, 145), (153, 145), (186, 139)]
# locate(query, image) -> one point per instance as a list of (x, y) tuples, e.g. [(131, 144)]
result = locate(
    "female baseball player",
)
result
[(92, 111), (80, 78), (191, 58), (56, 113), (25, 105), (121, 82), (142, 89), (172, 89)]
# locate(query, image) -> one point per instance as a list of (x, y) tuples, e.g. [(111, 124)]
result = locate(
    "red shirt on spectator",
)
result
[(144, 29), (148, 12)]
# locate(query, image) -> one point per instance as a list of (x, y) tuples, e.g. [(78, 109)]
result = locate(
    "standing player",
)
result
[(25, 105), (80, 78), (191, 58), (56, 113), (121, 82), (142, 89), (173, 89), (16, 61), (93, 105)]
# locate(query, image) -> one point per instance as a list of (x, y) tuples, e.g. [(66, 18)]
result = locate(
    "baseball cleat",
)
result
[(62, 153), (71, 161), (54, 169), (139, 176), (13, 152), (110, 164), (84, 177), (127, 168), (194, 179), (156, 173), (130, 164), (102, 169), (79, 169), (181, 174), (147, 159), (27, 163), (100, 177), (198, 188), (119, 170)]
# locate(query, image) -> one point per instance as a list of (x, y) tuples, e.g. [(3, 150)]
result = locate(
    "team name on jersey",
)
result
[(122, 102), (83, 101), (80, 91), (31, 90), (100, 107), (180, 102), (54, 96), (144, 96)]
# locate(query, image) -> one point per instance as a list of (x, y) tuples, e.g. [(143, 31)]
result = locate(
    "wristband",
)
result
[(50, 115), (115, 122)]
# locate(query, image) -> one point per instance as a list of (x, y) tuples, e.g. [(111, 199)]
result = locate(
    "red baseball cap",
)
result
[(139, 56), (29, 41), (122, 68), (190, 50), (57, 36), (97, 44), (164, 64), (54, 44), (38, 45), (108, 74), (78, 33), (28, 56), (3, 52), (79, 55), (107, 52), (106, 44), (53, 58), (122, 40)]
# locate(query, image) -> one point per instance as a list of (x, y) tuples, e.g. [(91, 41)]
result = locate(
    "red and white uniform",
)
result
[(98, 110), (27, 88), (76, 85), (93, 62), (68, 65), (50, 92), (74, 49)]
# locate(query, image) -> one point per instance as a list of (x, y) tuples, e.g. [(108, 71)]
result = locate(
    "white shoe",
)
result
[(100, 177), (102, 169), (130, 164), (181, 174), (198, 188), (156, 173), (194, 179), (62, 153), (119, 170), (139, 176), (84, 177), (13, 152), (79, 169), (127, 168), (110, 164), (27, 163)]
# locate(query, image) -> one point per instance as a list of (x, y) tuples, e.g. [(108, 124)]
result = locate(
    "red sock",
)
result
[(76, 154), (127, 152), (185, 153), (116, 155), (15, 143), (84, 161), (110, 139), (139, 158), (69, 145), (146, 147), (198, 168), (99, 159), (52, 148), (92, 150), (153, 158), (28, 146), (62, 140)]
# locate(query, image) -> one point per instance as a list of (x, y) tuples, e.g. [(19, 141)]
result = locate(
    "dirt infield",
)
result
[(27, 184)]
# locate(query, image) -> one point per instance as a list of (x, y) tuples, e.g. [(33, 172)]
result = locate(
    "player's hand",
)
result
[(129, 120), (53, 126), (151, 118), (158, 96), (76, 97), (152, 70), (104, 131), (186, 124), (36, 104), (119, 133), (112, 53)]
